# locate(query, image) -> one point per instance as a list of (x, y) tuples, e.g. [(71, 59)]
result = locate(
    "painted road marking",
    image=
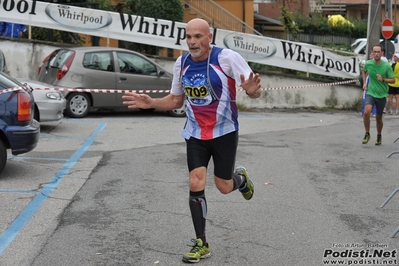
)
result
[(18, 224)]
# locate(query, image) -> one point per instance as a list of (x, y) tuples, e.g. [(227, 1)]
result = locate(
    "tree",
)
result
[(159, 9), (287, 18)]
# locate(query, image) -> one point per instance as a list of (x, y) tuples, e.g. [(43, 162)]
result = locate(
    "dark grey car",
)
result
[(105, 68)]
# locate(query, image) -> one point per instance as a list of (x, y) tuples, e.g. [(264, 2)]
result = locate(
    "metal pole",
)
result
[(388, 9), (374, 25)]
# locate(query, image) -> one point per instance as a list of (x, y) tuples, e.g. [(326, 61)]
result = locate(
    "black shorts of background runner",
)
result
[(393, 90), (378, 102)]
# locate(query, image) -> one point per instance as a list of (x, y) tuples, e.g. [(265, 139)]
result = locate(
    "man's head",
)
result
[(396, 57), (198, 38), (377, 52)]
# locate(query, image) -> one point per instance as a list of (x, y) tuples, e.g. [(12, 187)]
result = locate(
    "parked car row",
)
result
[(91, 68)]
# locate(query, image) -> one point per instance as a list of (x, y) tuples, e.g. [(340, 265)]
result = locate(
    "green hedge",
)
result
[(319, 25)]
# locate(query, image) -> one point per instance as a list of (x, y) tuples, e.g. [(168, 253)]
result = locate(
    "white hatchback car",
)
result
[(49, 105)]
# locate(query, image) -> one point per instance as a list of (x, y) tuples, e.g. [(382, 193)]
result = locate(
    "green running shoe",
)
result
[(366, 138), (248, 191), (198, 251), (379, 140)]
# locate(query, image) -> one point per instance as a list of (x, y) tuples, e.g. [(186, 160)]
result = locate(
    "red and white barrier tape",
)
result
[(89, 90), (167, 91), (309, 86)]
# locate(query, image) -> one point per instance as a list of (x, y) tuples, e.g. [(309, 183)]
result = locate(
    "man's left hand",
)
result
[(251, 85)]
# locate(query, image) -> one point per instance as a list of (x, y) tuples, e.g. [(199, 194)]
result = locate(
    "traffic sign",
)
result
[(387, 28)]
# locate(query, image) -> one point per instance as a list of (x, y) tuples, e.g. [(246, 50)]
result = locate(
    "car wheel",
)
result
[(78, 105), (3, 155), (181, 112)]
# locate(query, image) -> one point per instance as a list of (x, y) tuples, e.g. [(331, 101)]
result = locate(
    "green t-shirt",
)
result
[(376, 88)]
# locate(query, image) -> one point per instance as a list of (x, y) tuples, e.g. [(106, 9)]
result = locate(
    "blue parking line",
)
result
[(16, 226)]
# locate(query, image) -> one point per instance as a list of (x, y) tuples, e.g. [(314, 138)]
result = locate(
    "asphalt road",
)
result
[(112, 189)]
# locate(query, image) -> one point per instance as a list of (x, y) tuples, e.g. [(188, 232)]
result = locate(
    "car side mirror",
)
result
[(160, 73)]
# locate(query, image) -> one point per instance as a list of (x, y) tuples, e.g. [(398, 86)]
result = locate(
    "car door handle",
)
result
[(123, 78)]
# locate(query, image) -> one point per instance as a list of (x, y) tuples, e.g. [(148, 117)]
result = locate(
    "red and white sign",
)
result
[(387, 28)]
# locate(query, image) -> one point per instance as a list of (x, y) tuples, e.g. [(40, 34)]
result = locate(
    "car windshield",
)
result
[(7, 82), (356, 44), (58, 59)]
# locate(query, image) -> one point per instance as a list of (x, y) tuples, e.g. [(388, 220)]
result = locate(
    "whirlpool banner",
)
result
[(171, 34)]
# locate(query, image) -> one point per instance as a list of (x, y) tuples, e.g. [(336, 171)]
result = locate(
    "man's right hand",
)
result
[(135, 100)]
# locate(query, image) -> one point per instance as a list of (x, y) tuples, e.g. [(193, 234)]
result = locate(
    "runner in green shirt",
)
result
[(380, 74)]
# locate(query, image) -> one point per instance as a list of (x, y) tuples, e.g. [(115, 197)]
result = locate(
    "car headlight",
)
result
[(54, 95)]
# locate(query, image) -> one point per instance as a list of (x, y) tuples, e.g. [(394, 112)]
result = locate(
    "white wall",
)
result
[(23, 58)]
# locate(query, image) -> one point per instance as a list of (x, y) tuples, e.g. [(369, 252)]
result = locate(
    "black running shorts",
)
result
[(378, 102), (222, 149)]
